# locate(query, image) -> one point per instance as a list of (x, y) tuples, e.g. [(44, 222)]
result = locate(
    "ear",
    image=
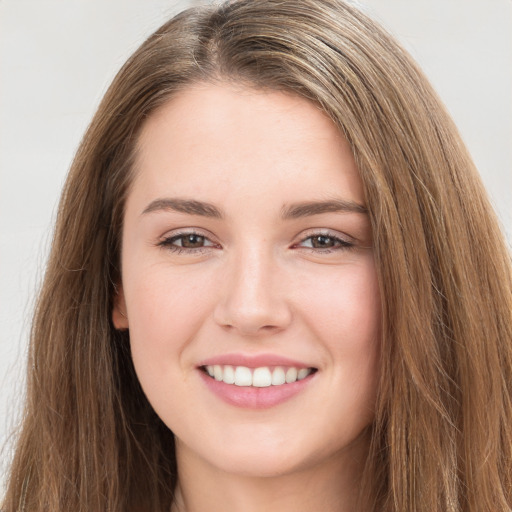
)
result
[(119, 316)]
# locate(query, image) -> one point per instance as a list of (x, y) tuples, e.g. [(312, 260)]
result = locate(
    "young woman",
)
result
[(276, 283)]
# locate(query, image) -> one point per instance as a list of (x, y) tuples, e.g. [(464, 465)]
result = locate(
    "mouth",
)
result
[(260, 377)]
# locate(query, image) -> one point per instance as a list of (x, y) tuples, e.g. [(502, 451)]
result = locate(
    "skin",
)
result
[(253, 283)]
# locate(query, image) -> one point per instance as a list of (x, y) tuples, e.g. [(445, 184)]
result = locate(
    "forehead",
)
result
[(219, 140)]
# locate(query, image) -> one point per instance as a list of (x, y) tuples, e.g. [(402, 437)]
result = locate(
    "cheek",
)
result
[(343, 307), (344, 312), (165, 310)]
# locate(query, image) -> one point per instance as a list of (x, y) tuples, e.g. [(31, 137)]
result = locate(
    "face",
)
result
[(248, 281)]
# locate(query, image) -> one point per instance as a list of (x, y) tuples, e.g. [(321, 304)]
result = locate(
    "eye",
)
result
[(325, 242), (190, 241), (186, 242)]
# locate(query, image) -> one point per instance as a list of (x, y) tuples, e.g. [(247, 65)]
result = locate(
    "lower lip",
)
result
[(251, 397)]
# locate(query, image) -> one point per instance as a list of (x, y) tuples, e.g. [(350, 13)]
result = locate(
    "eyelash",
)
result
[(340, 244), (169, 243)]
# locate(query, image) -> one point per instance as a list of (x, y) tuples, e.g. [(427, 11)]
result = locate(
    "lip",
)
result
[(253, 397), (253, 361)]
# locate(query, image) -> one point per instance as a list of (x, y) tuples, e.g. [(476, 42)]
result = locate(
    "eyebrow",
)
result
[(188, 206), (305, 209), (289, 212)]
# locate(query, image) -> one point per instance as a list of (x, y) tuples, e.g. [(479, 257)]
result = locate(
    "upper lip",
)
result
[(253, 361)]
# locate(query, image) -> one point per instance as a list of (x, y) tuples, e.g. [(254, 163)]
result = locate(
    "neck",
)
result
[(330, 486)]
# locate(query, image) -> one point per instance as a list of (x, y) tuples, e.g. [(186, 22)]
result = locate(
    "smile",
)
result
[(260, 377)]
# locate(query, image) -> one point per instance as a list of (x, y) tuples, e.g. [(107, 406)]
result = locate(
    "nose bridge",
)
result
[(253, 300)]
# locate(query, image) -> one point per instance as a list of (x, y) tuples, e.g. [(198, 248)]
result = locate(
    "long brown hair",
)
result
[(442, 436)]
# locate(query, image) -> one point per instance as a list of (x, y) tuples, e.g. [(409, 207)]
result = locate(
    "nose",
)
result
[(253, 299)]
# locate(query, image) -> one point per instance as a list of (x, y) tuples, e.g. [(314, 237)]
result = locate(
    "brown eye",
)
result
[(191, 241), (326, 242), (322, 242)]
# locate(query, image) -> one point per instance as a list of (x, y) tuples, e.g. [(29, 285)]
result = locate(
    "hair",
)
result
[(442, 434)]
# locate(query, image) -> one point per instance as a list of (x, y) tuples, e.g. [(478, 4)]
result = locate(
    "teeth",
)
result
[(278, 377), (243, 376), (302, 373), (291, 375), (229, 375), (261, 378), (258, 377)]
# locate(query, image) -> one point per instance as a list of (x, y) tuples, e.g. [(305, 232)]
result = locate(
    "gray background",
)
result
[(57, 58)]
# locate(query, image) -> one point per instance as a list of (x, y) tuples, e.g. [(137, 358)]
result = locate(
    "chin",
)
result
[(258, 464)]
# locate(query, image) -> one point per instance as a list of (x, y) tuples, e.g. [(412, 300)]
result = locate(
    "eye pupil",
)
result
[(322, 241), (191, 241)]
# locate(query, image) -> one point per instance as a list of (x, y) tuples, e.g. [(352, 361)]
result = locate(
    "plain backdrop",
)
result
[(57, 58)]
